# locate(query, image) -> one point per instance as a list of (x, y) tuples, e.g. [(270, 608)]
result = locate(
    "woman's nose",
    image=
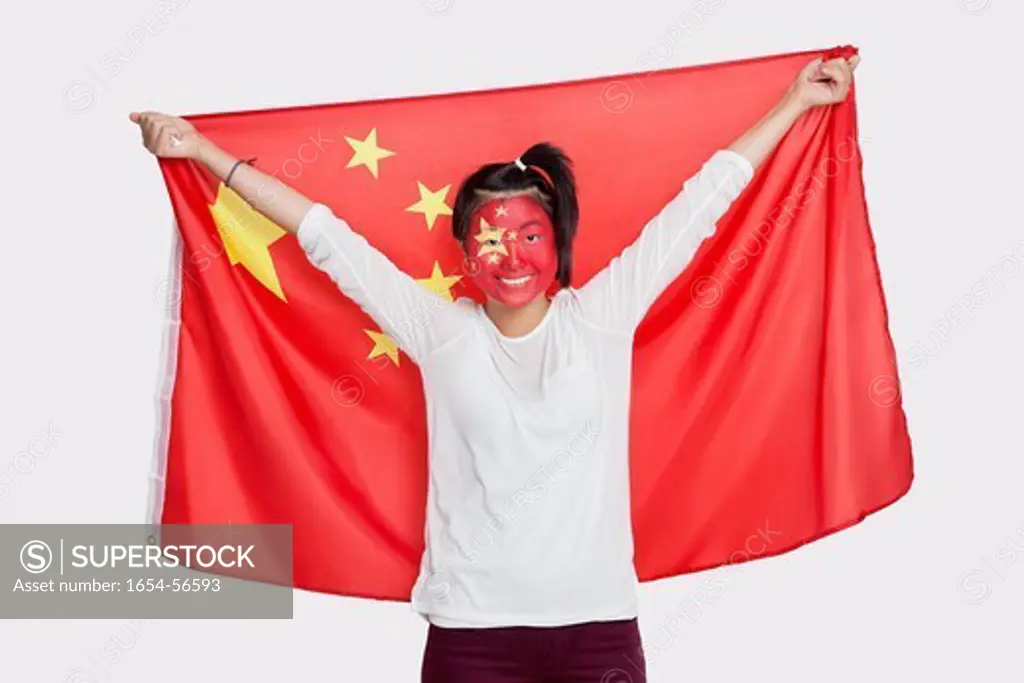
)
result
[(514, 256)]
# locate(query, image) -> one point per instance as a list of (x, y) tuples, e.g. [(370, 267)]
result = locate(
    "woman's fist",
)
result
[(166, 136), (822, 82)]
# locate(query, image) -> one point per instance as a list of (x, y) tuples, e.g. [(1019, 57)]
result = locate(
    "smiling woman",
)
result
[(528, 392), (513, 247), (516, 223)]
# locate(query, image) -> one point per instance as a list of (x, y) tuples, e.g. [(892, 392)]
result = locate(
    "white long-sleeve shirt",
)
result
[(528, 513)]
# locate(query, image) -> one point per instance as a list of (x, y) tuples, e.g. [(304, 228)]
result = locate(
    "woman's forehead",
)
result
[(532, 193), (514, 211)]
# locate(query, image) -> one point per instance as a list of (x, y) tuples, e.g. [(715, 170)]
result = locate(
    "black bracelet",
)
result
[(227, 181)]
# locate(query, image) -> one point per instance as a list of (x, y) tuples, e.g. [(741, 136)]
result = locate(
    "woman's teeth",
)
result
[(515, 281)]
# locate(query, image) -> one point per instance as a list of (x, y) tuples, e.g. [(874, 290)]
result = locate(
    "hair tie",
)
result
[(537, 169)]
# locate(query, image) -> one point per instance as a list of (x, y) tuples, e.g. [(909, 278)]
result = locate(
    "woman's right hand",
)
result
[(168, 137)]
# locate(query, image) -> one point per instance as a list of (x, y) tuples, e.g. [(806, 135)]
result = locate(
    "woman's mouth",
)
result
[(516, 281)]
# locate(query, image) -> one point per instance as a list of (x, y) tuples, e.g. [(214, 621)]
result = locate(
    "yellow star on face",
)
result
[(502, 210), (247, 236), (512, 235), (367, 153), (439, 283), (383, 345), (490, 240), (431, 204), (493, 258)]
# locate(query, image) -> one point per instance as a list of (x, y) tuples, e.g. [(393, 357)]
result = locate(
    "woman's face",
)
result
[(511, 249)]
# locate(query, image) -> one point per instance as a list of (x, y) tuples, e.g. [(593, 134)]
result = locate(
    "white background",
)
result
[(921, 591)]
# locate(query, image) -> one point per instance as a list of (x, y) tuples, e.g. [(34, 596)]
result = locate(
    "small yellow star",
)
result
[(502, 210), (383, 345), (487, 235), (493, 258), (512, 236), (431, 204), (439, 283), (367, 153)]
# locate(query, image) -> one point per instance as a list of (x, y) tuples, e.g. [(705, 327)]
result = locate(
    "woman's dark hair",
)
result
[(557, 192)]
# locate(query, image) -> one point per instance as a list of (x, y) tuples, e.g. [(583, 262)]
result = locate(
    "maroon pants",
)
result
[(594, 652)]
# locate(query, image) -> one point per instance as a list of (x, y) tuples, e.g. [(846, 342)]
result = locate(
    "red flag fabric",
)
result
[(765, 413)]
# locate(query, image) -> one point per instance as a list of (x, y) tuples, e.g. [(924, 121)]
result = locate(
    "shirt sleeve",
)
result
[(418, 320), (618, 297)]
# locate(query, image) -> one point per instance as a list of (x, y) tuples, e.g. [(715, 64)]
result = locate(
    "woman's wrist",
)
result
[(205, 150), (791, 106), (215, 159)]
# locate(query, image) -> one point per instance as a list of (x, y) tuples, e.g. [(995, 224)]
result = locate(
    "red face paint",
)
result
[(511, 247)]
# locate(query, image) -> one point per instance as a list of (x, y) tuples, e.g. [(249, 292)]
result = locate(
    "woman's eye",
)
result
[(533, 238)]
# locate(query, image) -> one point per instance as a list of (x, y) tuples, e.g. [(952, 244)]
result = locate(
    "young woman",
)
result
[(527, 395)]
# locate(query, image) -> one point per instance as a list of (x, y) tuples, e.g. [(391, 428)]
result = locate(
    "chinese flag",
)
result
[(765, 413)]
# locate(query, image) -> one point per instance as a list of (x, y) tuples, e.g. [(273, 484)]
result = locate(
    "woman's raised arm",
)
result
[(618, 297), (418, 320), (818, 83), (172, 137)]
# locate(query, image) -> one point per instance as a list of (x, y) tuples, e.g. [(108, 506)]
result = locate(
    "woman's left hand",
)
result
[(823, 82)]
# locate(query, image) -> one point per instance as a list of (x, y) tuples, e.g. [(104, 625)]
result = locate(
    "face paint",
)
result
[(511, 247)]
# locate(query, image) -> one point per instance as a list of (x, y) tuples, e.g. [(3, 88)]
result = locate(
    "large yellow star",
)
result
[(489, 238), (367, 153), (431, 204), (247, 236), (439, 283), (383, 345)]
